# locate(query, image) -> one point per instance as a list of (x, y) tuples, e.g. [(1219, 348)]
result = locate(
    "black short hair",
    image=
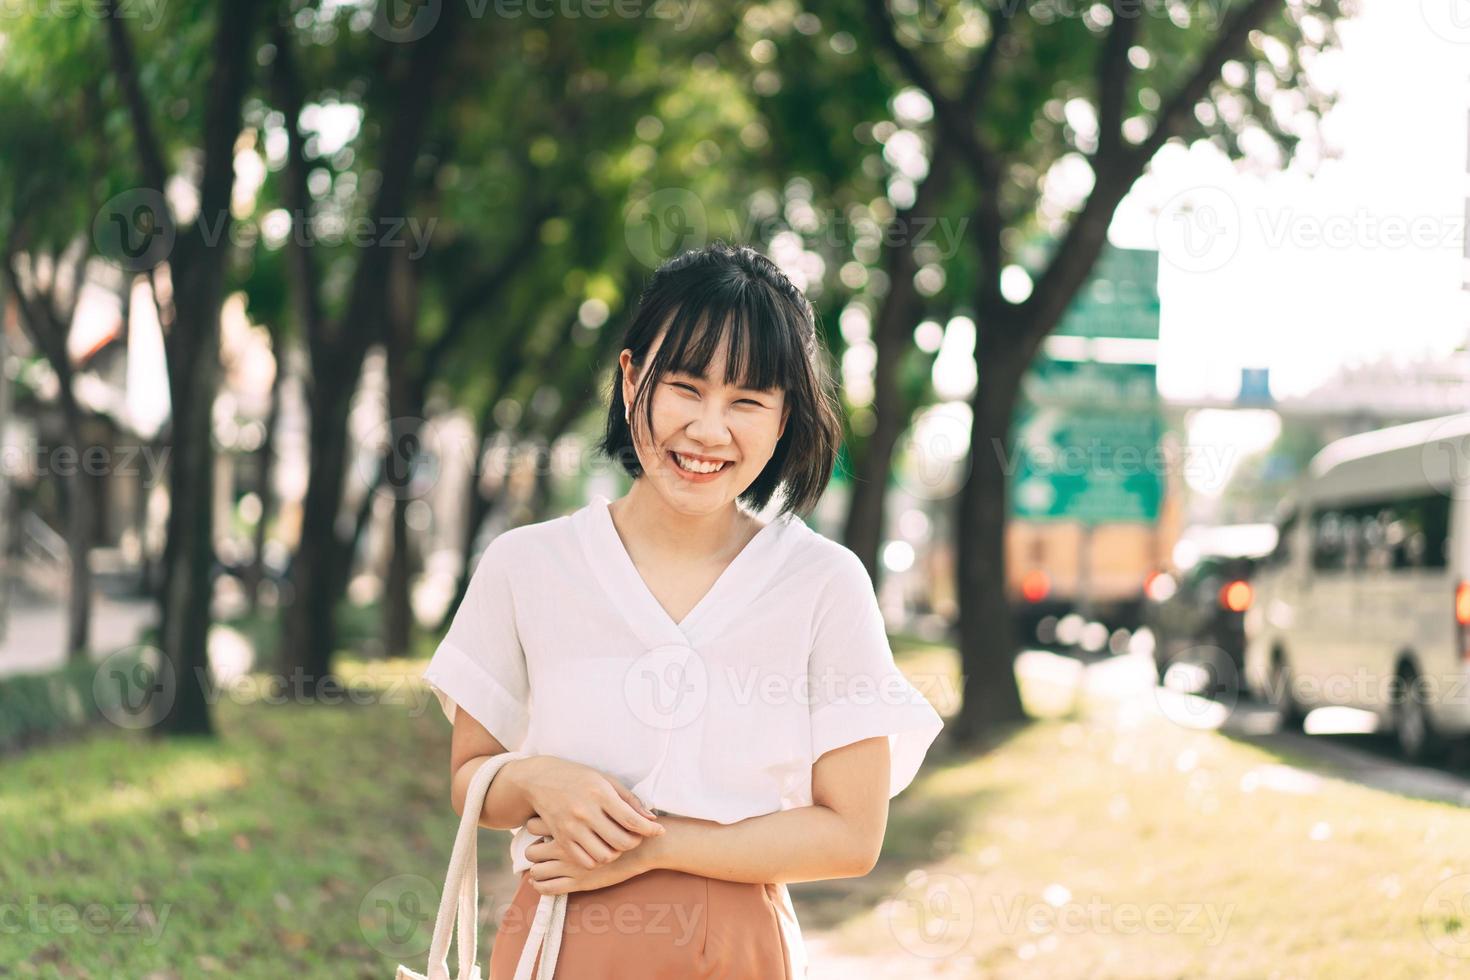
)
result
[(770, 330)]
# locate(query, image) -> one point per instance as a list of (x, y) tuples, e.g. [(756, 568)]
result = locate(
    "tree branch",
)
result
[(68, 312), (1085, 238), (224, 94), (1113, 72), (485, 289), (286, 89), (955, 119), (977, 83), (402, 139), (150, 154), (1180, 107), (37, 319)]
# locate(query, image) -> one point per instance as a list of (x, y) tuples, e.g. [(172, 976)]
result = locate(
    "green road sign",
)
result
[(1120, 298), (1083, 386), (1086, 436), (1094, 467)]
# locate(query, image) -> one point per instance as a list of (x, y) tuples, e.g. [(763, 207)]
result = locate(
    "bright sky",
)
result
[(1304, 274)]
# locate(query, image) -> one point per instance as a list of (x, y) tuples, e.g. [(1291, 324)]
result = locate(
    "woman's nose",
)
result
[(708, 426)]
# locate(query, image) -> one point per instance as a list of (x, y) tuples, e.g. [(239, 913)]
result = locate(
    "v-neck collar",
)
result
[(736, 585)]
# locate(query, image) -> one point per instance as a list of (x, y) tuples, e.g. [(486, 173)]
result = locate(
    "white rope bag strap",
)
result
[(459, 903)]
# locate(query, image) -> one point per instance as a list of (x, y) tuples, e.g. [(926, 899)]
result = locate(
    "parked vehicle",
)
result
[(1365, 601), (1198, 609), (1067, 593)]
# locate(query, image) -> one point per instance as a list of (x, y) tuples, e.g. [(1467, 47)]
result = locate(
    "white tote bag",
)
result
[(461, 900)]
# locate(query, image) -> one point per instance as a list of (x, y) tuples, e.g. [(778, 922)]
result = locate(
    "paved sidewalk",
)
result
[(35, 631)]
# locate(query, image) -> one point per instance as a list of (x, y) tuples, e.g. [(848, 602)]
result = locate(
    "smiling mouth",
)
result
[(696, 467)]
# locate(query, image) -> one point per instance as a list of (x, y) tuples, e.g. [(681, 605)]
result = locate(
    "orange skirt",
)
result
[(659, 925)]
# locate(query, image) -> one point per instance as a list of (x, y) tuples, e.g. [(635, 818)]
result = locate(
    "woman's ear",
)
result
[(785, 415), (629, 376)]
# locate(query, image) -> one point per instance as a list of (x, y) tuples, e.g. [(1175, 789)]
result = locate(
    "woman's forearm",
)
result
[(507, 804), (808, 843)]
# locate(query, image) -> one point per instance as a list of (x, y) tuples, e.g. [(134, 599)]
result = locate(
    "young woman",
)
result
[(708, 702)]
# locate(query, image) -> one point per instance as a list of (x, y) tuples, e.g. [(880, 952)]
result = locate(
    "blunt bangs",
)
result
[(756, 356)]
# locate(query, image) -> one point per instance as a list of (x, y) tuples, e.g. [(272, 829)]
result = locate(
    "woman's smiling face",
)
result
[(710, 439)]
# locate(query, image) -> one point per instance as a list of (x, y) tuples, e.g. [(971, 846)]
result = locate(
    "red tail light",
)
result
[(1236, 595), (1035, 585), (1462, 618)]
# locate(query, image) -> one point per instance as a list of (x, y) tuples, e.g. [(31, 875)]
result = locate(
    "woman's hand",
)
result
[(591, 814), (553, 872)]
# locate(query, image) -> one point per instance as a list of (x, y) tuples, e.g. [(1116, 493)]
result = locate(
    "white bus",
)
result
[(1364, 602)]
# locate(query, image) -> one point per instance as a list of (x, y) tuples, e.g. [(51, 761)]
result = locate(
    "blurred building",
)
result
[(39, 451)]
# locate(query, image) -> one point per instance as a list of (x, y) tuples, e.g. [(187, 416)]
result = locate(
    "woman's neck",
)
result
[(642, 516)]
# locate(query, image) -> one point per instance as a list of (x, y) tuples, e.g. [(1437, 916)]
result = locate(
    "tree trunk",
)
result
[(309, 635), (188, 557), (401, 455), (873, 460), (81, 504), (479, 511), (893, 331), (988, 642), (397, 608), (191, 342), (541, 488), (264, 474), (397, 597), (323, 556)]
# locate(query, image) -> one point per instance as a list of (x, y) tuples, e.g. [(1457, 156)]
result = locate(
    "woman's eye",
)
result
[(695, 391)]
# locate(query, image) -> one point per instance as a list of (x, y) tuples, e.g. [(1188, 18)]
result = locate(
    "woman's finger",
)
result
[(615, 836), (595, 847), (628, 811), (575, 852)]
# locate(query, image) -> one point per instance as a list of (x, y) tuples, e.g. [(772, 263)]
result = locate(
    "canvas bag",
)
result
[(459, 905)]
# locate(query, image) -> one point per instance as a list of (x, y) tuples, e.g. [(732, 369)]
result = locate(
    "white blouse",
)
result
[(559, 648)]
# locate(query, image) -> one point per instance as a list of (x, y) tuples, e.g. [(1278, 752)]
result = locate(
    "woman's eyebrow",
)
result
[(705, 378)]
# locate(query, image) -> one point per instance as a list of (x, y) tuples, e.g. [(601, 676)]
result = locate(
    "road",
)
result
[(1338, 746)]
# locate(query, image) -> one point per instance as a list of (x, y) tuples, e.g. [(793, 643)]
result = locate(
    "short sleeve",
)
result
[(857, 691), (480, 664)]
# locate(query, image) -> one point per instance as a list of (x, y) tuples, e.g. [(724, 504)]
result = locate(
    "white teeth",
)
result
[(695, 466)]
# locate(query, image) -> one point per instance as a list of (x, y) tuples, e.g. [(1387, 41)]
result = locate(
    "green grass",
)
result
[(1102, 843), (302, 840), (267, 853)]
